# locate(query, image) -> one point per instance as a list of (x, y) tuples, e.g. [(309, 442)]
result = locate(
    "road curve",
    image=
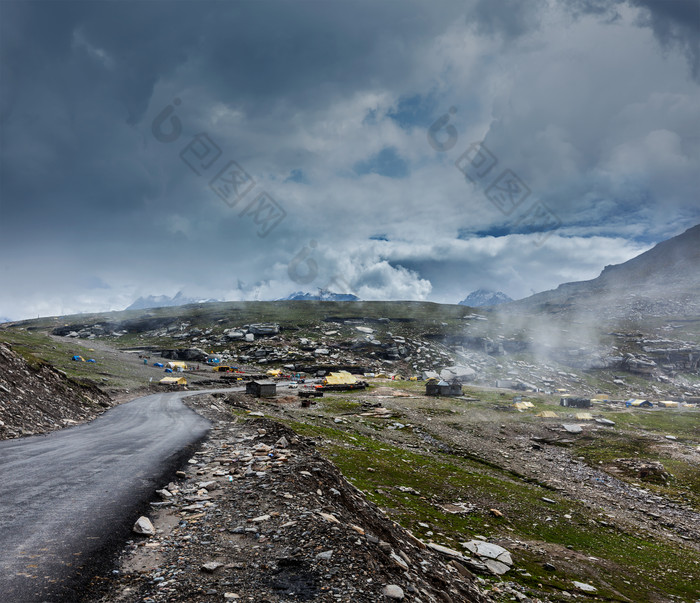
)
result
[(69, 497)]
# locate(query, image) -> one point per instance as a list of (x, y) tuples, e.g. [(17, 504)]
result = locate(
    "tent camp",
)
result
[(340, 378), (639, 403), (173, 381)]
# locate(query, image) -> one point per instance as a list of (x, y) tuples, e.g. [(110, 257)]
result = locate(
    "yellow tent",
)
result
[(339, 378), (274, 372), (668, 404), (173, 381), (547, 414), (584, 416), (523, 405), (600, 398)]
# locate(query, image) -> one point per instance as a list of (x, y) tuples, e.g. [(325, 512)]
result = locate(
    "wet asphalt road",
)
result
[(68, 499)]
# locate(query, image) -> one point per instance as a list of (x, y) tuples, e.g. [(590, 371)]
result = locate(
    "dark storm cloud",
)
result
[(76, 91), (674, 22), (510, 18), (300, 93)]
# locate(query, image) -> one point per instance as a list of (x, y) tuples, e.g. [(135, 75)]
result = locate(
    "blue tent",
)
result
[(91, 360), (78, 358), (158, 364), (168, 370)]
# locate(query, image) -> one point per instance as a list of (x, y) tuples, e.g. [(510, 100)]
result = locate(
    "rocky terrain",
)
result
[(386, 493), (259, 515), (37, 398), (663, 281)]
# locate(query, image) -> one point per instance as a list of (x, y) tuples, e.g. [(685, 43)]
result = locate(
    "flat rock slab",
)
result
[(487, 550), (572, 428)]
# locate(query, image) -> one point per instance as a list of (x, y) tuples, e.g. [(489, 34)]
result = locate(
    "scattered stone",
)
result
[(211, 566), (584, 587), (497, 559), (572, 428), (393, 591), (605, 422), (144, 526)]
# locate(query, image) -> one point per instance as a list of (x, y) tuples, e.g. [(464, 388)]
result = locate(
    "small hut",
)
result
[(572, 402), (433, 387), (261, 389)]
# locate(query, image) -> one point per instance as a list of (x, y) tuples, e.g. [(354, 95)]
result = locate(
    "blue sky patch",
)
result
[(387, 163)]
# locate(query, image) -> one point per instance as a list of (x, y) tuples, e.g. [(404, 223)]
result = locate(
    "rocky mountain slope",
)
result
[(663, 281), (163, 301), (36, 397), (485, 297), (322, 295)]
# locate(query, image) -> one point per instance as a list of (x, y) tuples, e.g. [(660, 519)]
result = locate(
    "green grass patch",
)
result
[(630, 567)]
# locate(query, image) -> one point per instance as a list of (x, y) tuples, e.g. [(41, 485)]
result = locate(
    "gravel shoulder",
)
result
[(259, 515)]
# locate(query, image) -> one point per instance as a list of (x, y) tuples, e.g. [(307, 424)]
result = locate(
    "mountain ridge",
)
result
[(485, 297), (665, 275)]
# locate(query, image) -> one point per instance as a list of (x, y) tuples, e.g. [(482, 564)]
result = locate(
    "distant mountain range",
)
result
[(322, 295), (485, 297), (663, 281), (163, 301), (2, 319)]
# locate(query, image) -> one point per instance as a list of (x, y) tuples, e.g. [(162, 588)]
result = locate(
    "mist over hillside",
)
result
[(663, 281)]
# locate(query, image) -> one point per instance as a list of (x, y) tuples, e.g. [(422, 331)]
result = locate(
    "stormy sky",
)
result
[(395, 150)]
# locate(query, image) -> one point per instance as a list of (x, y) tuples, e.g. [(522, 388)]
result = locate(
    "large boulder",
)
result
[(195, 354), (144, 526), (461, 373), (264, 329)]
